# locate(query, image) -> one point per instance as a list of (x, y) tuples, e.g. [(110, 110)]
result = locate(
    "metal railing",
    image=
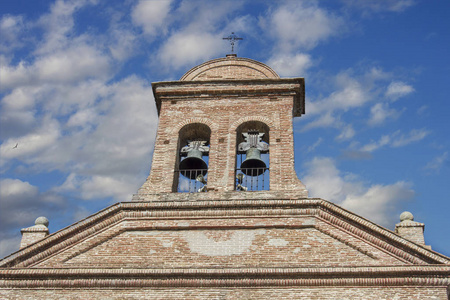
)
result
[(248, 179), (252, 179), (191, 181)]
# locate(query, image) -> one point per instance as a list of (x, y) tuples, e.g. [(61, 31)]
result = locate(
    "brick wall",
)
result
[(222, 243)]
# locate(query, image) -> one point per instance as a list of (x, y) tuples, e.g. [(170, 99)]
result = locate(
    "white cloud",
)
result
[(31, 144), (105, 158), (73, 64), (370, 6), (22, 202), (18, 99), (58, 25), (437, 162), (100, 187), (315, 145), (65, 66), (383, 141), (324, 120), (15, 123), (60, 56), (300, 24), (197, 39), (349, 93), (323, 179), (421, 111), (379, 202), (414, 135), (380, 112), (83, 117), (123, 43), (398, 89), (10, 26), (196, 46), (290, 65), (209, 16), (88, 126), (152, 16), (346, 93), (10, 29), (15, 189), (376, 202), (347, 133), (396, 139)]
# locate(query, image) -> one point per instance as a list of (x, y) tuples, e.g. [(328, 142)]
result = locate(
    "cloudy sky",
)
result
[(78, 119)]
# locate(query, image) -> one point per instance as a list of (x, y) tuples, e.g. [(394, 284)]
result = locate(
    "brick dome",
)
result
[(229, 68)]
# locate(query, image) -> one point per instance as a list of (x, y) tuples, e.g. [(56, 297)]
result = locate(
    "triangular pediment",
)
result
[(238, 233)]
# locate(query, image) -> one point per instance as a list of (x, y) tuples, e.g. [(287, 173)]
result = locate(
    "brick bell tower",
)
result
[(223, 216), (228, 120)]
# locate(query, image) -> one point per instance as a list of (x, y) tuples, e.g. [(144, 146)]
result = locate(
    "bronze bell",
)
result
[(253, 165), (193, 165)]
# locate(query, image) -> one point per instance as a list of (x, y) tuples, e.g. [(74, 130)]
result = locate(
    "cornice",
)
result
[(212, 89), (132, 278)]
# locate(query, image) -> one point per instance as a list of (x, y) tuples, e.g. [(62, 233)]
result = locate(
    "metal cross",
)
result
[(232, 38)]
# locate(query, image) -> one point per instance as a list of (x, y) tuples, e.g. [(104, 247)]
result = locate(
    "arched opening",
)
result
[(252, 157), (191, 170)]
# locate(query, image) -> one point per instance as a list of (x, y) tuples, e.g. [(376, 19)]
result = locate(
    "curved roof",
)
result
[(229, 68)]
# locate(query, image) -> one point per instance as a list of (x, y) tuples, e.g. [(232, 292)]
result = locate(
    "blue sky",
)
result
[(76, 99)]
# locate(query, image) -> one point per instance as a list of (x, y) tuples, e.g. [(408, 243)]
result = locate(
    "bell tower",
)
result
[(222, 214), (226, 127)]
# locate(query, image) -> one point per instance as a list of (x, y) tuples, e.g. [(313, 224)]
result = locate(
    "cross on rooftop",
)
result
[(232, 38)]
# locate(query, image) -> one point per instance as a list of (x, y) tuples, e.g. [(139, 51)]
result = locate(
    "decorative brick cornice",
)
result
[(132, 278), (211, 89), (380, 236)]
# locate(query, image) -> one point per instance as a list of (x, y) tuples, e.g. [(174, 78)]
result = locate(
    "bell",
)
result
[(253, 165), (240, 179), (193, 165)]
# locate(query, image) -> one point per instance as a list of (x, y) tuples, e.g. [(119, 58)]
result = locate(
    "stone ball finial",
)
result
[(406, 216), (41, 221)]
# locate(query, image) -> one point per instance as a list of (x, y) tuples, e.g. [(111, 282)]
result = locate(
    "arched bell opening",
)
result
[(252, 157), (191, 170)]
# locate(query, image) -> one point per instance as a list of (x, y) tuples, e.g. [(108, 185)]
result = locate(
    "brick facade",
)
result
[(224, 243)]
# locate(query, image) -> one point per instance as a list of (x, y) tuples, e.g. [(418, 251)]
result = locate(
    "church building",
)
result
[(222, 214)]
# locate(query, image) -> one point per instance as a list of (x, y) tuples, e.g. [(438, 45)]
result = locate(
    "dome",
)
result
[(230, 68)]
